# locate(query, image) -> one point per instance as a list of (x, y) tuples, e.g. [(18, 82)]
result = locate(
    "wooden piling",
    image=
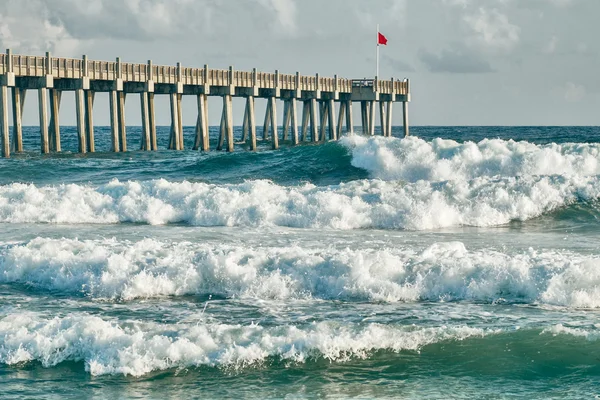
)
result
[(43, 107)]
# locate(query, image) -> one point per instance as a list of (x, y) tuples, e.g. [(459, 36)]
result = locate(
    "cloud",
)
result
[(492, 29), (65, 25), (397, 65), (574, 93), (455, 60), (285, 10)]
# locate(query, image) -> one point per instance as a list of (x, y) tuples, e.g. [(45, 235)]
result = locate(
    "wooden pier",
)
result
[(52, 76)]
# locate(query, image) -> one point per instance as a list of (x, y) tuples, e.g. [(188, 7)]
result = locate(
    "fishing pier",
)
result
[(51, 77)]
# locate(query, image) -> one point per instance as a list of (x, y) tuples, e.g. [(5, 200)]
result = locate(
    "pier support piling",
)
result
[(43, 106), (305, 119), (341, 118), (174, 139), (323, 120), (251, 122), (267, 122), (273, 110), (364, 111), (146, 142), (349, 119), (287, 117), (54, 128), (226, 132), (152, 121), (122, 126), (245, 124), (294, 116), (202, 137), (180, 120), (4, 122), (114, 121), (405, 118), (382, 118), (80, 110), (388, 124), (331, 115), (313, 120), (89, 120), (18, 97), (371, 106)]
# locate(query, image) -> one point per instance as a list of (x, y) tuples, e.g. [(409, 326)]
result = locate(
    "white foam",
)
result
[(137, 348), (589, 333), (413, 159), (360, 204), (112, 269)]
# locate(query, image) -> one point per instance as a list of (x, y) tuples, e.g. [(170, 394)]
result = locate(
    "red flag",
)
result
[(381, 39)]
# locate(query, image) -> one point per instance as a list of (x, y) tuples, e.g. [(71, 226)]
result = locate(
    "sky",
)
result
[(470, 62)]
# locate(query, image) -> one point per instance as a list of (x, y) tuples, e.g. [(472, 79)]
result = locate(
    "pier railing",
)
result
[(36, 66)]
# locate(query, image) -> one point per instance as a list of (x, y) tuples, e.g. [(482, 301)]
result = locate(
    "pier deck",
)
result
[(51, 76)]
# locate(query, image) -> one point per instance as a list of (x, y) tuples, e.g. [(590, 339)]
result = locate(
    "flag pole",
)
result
[(377, 74)]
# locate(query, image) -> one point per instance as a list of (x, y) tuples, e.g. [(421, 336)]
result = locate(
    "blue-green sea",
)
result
[(461, 262)]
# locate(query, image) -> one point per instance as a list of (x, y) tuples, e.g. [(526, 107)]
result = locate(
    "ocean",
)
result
[(462, 262)]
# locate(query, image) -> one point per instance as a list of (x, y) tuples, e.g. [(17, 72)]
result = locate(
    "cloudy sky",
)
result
[(471, 62)]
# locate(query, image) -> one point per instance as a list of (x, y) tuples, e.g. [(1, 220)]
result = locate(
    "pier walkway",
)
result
[(51, 76)]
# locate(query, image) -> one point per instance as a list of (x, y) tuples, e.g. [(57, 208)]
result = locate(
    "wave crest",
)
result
[(446, 271), (413, 159), (354, 205)]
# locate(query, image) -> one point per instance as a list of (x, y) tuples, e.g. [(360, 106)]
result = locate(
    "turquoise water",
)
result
[(462, 267)]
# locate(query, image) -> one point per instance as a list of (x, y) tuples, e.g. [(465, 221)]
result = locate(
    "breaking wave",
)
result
[(447, 271), (413, 159), (354, 205)]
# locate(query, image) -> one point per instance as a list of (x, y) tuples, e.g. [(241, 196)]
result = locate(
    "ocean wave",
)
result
[(413, 159), (354, 205), (137, 348), (447, 271)]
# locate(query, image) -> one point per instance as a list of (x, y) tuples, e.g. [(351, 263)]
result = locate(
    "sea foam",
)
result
[(447, 271), (137, 348), (417, 185), (361, 204), (413, 159)]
